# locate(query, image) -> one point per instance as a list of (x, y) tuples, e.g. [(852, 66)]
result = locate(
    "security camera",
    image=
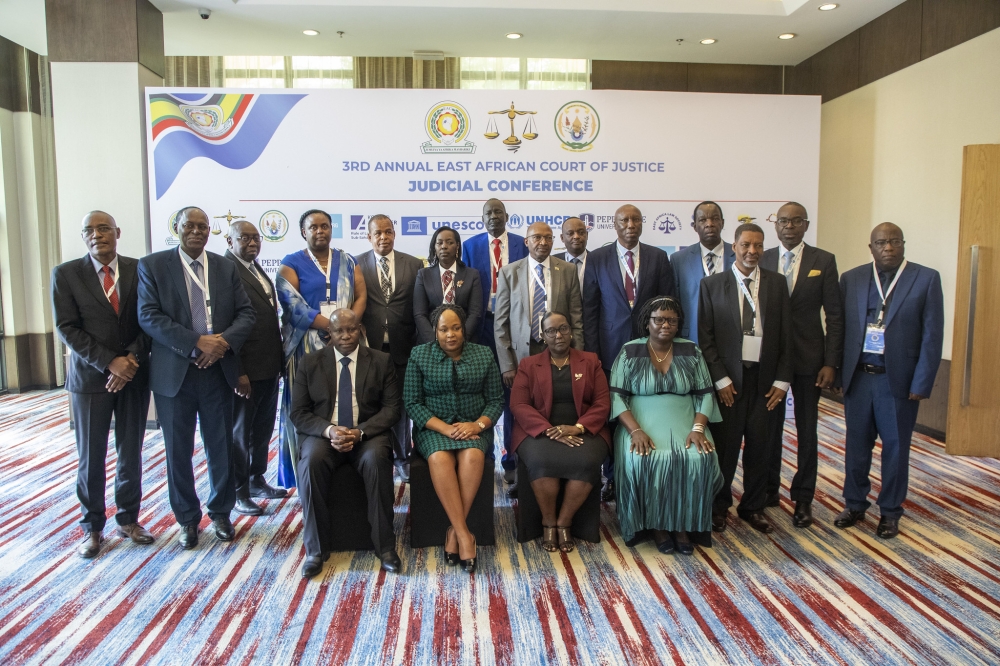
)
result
[(204, 13)]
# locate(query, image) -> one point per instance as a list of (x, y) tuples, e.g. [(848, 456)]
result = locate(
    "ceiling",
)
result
[(746, 30)]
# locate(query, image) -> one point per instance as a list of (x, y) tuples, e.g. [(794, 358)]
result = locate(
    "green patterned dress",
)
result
[(453, 392), (673, 487)]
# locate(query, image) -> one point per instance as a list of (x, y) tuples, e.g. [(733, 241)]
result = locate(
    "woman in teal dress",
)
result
[(454, 396), (666, 471), (311, 284)]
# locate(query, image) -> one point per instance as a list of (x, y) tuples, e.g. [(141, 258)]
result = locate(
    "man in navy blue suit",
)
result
[(708, 257), (893, 332), (192, 304), (489, 252)]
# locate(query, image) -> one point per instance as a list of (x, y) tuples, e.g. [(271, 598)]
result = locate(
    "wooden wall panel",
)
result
[(760, 79), (624, 75), (7, 73), (948, 23), (835, 69), (149, 30), (92, 31), (890, 42)]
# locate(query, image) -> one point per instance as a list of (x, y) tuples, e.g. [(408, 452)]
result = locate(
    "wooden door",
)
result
[(974, 395)]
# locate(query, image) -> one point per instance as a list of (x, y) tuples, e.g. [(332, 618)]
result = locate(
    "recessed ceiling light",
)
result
[(828, 6), (708, 41), (310, 33), (514, 35), (787, 35)]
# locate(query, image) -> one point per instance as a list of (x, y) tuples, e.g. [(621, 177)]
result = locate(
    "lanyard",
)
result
[(892, 285), (326, 273), (752, 298), (108, 292), (621, 259), (494, 264), (538, 281), (204, 289)]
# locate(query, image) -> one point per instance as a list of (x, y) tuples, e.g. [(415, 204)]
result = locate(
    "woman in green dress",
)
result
[(453, 395), (665, 470)]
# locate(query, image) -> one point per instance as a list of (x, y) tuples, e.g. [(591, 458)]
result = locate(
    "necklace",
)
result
[(560, 367), (665, 356)]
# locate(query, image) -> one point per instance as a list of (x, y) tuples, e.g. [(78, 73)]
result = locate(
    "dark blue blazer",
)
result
[(914, 328), (608, 322), (688, 273), (165, 316), (476, 254)]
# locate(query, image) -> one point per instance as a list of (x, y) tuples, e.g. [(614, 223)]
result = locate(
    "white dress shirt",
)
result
[(99, 267), (352, 367), (719, 257), (623, 263), (580, 267), (504, 259), (392, 269), (796, 260), (533, 284)]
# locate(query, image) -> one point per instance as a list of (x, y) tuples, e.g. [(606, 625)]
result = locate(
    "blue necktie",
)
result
[(199, 321), (787, 271), (345, 397), (710, 263), (538, 305)]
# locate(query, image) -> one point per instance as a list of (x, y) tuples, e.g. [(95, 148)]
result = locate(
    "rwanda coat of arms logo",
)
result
[(577, 125)]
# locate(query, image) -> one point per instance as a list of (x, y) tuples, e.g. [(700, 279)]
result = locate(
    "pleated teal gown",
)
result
[(673, 487)]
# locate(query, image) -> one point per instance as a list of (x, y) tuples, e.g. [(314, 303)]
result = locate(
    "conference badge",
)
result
[(447, 125), (577, 125)]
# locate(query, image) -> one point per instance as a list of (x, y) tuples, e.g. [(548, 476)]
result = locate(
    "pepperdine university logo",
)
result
[(447, 124), (230, 129)]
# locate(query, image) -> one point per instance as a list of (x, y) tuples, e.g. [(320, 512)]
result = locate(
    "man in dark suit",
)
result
[(708, 257), (744, 331), (261, 359), (489, 252), (811, 276), (334, 430), (94, 305), (893, 332), (574, 235), (388, 319), (193, 305)]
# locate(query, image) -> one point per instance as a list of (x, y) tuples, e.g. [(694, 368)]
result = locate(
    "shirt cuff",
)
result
[(784, 386), (328, 432), (723, 383)]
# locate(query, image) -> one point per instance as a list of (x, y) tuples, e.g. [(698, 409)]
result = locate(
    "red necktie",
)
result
[(629, 282), (109, 288), (498, 261), (449, 293)]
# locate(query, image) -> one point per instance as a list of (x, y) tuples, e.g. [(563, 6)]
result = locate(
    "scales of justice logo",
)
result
[(513, 143), (174, 237), (577, 125), (447, 124)]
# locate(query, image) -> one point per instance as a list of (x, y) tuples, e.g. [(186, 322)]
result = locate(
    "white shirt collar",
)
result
[(622, 250), (353, 355), (188, 258), (98, 266), (453, 268), (717, 250), (546, 264), (502, 238), (391, 257), (582, 257), (796, 251), (753, 276), (243, 261)]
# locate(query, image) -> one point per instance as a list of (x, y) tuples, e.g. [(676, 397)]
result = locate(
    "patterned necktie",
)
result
[(345, 399), (263, 282), (629, 282), (109, 288), (497, 261), (386, 282), (538, 304), (710, 262), (748, 316), (446, 286), (199, 319), (787, 271)]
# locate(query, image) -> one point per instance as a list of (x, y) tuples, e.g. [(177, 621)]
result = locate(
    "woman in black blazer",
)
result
[(463, 285)]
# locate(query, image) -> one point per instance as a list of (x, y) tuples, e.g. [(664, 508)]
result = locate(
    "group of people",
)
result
[(651, 372)]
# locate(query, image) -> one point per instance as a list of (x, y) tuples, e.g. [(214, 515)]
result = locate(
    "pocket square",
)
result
[(814, 272)]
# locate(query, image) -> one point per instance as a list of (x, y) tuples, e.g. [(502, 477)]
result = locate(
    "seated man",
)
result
[(334, 431)]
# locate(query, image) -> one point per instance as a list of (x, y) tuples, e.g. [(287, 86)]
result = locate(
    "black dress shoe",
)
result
[(758, 521), (312, 565), (773, 500), (91, 545), (509, 476), (719, 521), (512, 492), (684, 547), (390, 562), (803, 516), (189, 536), (450, 558), (887, 527), (666, 546), (848, 518), (223, 527), (608, 493), (261, 488), (470, 564), (248, 507), (403, 471)]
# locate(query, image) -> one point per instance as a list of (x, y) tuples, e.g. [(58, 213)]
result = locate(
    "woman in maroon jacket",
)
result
[(560, 402)]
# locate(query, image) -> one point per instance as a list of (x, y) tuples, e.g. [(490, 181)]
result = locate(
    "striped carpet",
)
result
[(820, 596)]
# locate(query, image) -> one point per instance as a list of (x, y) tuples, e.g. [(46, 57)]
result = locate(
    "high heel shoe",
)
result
[(470, 564), (450, 558), (566, 543), (550, 540)]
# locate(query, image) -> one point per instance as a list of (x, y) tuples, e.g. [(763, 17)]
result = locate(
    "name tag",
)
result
[(751, 348), (327, 308), (874, 340), (493, 303)]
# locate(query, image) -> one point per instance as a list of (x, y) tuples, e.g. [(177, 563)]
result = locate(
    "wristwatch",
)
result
[(482, 426), (582, 429)]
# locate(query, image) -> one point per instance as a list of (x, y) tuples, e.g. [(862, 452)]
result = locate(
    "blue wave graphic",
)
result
[(178, 148)]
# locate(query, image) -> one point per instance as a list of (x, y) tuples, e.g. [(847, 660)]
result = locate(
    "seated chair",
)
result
[(428, 521), (586, 523)]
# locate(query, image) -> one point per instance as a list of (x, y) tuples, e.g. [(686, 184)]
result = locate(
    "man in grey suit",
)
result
[(388, 320)]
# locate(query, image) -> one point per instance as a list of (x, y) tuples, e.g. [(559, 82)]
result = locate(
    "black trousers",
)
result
[(205, 399), (253, 424), (403, 445), (747, 422), (318, 460), (92, 413), (509, 460), (806, 395)]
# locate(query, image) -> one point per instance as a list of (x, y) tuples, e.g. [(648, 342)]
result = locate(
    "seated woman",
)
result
[(560, 403), (663, 398), (312, 284), (453, 395), (446, 280)]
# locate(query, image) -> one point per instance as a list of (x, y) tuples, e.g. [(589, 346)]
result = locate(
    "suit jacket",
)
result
[(375, 385), (165, 315), (427, 295), (720, 329), (816, 286), (688, 274), (476, 254), (914, 328), (88, 325), (608, 321), (398, 312), (531, 395), (512, 318), (261, 356)]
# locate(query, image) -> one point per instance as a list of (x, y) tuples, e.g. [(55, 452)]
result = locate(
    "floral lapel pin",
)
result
[(459, 283), (578, 376)]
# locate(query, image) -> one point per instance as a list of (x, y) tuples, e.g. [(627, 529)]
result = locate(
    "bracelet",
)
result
[(698, 427), (635, 431)]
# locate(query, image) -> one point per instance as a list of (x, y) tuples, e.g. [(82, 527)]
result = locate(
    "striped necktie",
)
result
[(199, 318), (446, 286), (386, 282), (109, 288), (710, 263), (538, 304)]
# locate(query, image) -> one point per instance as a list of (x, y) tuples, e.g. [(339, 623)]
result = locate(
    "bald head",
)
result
[(628, 225), (887, 246), (244, 240), (345, 331), (100, 235), (539, 241)]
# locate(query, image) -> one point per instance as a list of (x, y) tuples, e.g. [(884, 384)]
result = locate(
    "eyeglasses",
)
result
[(660, 321), (194, 226), (103, 230), (895, 242), (793, 222), (247, 238), (553, 332)]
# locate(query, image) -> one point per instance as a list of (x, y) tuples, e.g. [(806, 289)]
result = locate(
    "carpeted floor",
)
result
[(820, 595)]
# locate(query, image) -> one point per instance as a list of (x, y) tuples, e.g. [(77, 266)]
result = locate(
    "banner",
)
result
[(430, 158)]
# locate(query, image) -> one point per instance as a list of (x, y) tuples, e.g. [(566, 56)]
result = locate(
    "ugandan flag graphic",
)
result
[(231, 129)]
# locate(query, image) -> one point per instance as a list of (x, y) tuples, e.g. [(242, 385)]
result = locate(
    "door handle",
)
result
[(970, 334)]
